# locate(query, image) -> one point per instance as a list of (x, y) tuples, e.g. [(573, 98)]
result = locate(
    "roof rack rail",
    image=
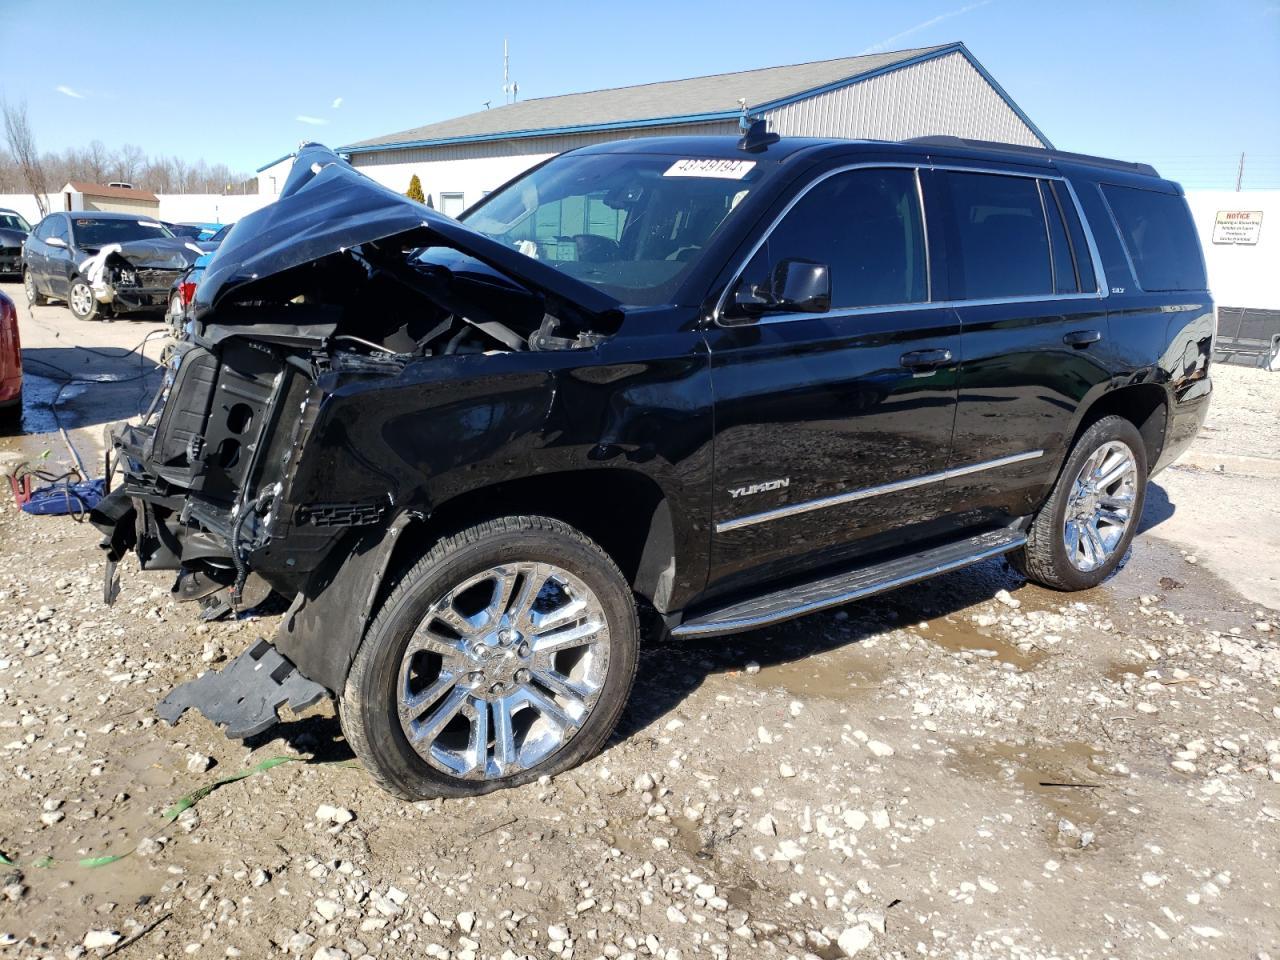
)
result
[(1019, 149)]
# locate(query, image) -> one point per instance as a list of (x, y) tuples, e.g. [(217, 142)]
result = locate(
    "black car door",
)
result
[(1031, 308), (62, 259), (35, 255), (828, 425)]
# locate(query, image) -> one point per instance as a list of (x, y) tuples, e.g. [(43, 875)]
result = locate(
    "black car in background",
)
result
[(103, 263), (13, 231)]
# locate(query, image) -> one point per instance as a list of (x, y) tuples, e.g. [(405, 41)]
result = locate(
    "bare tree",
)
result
[(22, 144), (129, 161)]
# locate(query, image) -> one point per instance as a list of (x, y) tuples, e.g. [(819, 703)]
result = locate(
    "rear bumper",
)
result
[(1186, 417)]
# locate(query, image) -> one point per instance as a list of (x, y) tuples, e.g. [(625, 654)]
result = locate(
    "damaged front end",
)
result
[(138, 275), (253, 474)]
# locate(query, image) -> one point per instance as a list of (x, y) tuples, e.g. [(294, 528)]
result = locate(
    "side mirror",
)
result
[(796, 286), (56, 242)]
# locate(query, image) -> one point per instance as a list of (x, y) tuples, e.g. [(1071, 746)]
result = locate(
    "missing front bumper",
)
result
[(245, 696)]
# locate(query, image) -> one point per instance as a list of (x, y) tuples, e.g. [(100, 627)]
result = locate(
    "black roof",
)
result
[(722, 147)]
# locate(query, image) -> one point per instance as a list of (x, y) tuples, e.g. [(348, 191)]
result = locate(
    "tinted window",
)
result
[(59, 229), (1161, 239), (1079, 245), (44, 229), (13, 221), (1064, 268), (866, 226), (998, 245), (93, 232)]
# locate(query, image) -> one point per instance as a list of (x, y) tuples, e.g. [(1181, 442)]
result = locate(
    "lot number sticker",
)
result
[(1237, 226), (716, 169)]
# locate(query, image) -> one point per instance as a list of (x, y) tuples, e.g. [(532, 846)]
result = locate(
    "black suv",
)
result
[(700, 383)]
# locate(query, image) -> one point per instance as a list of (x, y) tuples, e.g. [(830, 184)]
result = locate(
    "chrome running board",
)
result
[(855, 584)]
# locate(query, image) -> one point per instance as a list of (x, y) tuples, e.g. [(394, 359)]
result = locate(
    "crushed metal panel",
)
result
[(245, 695)]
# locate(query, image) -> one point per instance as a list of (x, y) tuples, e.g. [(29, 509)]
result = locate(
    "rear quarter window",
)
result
[(1159, 235)]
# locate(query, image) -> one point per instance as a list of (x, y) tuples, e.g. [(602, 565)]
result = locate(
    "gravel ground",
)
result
[(968, 768), (1244, 417)]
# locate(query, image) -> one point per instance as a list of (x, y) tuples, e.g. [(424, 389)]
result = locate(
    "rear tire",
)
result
[(83, 304), (1082, 532), (502, 684), (34, 297)]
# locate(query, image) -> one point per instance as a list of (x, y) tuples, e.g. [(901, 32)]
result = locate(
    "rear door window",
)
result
[(1064, 267), (997, 238), (865, 225), (1081, 254), (1160, 237)]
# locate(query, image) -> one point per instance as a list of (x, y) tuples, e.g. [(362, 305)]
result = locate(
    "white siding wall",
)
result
[(1240, 275), (174, 207), (946, 96), (473, 169), (271, 180)]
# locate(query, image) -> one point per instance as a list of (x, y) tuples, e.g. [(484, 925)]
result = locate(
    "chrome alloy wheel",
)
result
[(1100, 507), (81, 299), (29, 285), (503, 670)]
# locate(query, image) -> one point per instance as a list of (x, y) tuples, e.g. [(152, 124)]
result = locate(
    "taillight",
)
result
[(187, 290)]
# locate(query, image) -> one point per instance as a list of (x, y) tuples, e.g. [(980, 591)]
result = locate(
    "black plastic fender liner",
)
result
[(244, 695), (323, 627)]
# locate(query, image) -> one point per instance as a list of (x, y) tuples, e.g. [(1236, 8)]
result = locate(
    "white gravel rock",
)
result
[(855, 939), (101, 939)]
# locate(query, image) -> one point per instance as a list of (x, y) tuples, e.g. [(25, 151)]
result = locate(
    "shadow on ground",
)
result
[(77, 387)]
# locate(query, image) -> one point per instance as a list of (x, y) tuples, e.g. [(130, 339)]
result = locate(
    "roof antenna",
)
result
[(756, 136)]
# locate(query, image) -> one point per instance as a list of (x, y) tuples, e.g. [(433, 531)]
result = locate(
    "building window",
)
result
[(452, 204)]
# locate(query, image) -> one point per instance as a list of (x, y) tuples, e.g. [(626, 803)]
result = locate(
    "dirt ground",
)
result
[(972, 767)]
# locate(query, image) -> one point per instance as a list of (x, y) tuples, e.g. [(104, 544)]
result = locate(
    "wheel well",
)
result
[(1142, 404), (624, 512)]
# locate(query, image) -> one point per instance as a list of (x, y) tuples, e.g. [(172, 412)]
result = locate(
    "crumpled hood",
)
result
[(162, 253), (327, 206), (11, 238)]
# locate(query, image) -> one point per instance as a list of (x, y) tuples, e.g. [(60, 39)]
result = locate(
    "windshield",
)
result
[(13, 221), (90, 232), (630, 225), (221, 234)]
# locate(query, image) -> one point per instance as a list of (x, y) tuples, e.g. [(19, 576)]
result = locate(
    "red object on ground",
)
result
[(10, 354)]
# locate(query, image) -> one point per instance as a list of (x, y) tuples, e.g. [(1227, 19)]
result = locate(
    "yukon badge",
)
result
[(761, 487)]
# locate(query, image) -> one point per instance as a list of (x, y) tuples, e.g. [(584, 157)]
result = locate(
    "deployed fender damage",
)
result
[(343, 341)]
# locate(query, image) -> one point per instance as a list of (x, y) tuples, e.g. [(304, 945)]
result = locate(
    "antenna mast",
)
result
[(509, 90)]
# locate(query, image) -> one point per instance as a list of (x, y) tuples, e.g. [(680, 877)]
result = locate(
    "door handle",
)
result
[(925, 359), (1082, 338)]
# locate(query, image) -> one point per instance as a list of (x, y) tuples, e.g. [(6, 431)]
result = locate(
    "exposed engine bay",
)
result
[(283, 321), (138, 275)]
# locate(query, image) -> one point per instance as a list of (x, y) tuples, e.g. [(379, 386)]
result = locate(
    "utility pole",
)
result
[(1240, 172)]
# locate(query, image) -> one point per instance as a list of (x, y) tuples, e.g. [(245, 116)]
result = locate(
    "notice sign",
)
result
[(1237, 226)]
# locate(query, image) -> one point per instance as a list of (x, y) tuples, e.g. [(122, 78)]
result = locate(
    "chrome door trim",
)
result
[(1101, 291), (792, 509)]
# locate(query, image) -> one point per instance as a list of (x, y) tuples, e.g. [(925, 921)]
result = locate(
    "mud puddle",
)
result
[(1066, 778), (960, 637)]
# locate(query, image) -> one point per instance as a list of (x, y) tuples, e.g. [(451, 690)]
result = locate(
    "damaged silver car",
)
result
[(102, 264)]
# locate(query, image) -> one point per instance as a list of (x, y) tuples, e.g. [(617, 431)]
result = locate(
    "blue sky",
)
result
[(1186, 86)]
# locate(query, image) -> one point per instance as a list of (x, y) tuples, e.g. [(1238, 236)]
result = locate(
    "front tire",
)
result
[(1082, 532), (506, 653), (83, 304)]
